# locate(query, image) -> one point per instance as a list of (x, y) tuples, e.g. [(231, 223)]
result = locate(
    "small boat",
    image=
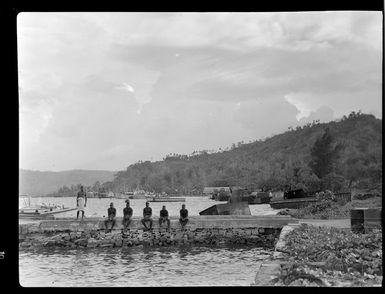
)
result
[(294, 203), (165, 199), (138, 194), (41, 211)]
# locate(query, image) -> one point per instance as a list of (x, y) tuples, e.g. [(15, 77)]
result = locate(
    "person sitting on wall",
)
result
[(127, 215), (183, 216), (111, 217), (163, 217), (147, 213)]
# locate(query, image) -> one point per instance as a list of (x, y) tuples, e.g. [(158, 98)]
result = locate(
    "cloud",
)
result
[(323, 114), (266, 118), (104, 90)]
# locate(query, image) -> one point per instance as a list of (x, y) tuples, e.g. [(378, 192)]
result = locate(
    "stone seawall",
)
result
[(208, 230)]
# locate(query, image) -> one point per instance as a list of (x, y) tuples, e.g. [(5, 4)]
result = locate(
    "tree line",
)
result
[(337, 155)]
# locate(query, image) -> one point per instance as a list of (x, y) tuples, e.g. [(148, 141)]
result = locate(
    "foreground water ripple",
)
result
[(136, 266)]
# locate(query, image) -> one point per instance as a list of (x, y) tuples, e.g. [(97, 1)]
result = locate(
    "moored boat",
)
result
[(165, 199), (292, 203), (40, 211)]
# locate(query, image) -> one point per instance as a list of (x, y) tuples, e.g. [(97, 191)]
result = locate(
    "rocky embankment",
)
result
[(261, 237)]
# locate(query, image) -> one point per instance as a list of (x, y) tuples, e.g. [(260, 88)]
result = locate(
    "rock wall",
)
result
[(261, 231), (260, 237)]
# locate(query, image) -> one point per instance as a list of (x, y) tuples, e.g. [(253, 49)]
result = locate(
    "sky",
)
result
[(105, 90)]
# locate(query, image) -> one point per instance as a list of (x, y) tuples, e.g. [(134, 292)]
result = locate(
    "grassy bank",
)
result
[(331, 209), (321, 256)]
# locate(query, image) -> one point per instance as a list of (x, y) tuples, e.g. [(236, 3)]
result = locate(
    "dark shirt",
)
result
[(111, 211), (147, 211), (183, 212), (164, 213), (127, 211)]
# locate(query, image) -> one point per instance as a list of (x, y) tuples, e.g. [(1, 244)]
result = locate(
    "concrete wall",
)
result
[(209, 221)]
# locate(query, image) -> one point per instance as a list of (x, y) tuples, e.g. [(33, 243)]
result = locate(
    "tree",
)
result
[(323, 155)]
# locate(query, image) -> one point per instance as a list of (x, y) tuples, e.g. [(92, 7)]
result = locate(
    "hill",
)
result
[(280, 162), (45, 182)]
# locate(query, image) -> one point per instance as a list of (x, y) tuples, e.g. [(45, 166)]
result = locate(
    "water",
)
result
[(138, 266), (97, 207)]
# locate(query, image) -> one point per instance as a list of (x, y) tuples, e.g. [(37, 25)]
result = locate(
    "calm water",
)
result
[(138, 266), (98, 207)]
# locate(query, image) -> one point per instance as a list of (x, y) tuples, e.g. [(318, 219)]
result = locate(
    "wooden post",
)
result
[(357, 220)]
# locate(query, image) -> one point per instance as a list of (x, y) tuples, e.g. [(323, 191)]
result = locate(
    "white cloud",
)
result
[(114, 88)]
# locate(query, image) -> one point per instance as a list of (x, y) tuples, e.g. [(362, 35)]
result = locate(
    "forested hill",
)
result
[(349, 154), (45, 182)]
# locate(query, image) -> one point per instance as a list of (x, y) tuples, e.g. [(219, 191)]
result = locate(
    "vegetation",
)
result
[(321, 256), (336, 155), (332, 209)]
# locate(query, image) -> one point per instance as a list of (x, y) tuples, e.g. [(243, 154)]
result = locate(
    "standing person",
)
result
[(81, 202), (127, 215), (183, 216), (163, 217), (147, 213), (111, 217)]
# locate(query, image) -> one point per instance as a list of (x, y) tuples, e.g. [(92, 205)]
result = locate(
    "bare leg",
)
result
[(144, 224), (113, 224)]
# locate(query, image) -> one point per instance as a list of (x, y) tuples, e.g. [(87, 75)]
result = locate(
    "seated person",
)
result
[(147, 213), (111, 217), (183, 216), (164, 217), (127, 215)]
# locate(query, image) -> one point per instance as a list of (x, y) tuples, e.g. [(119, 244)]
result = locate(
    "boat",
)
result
[(138, 194), (42, 211), (165, 199), (294, 203)]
